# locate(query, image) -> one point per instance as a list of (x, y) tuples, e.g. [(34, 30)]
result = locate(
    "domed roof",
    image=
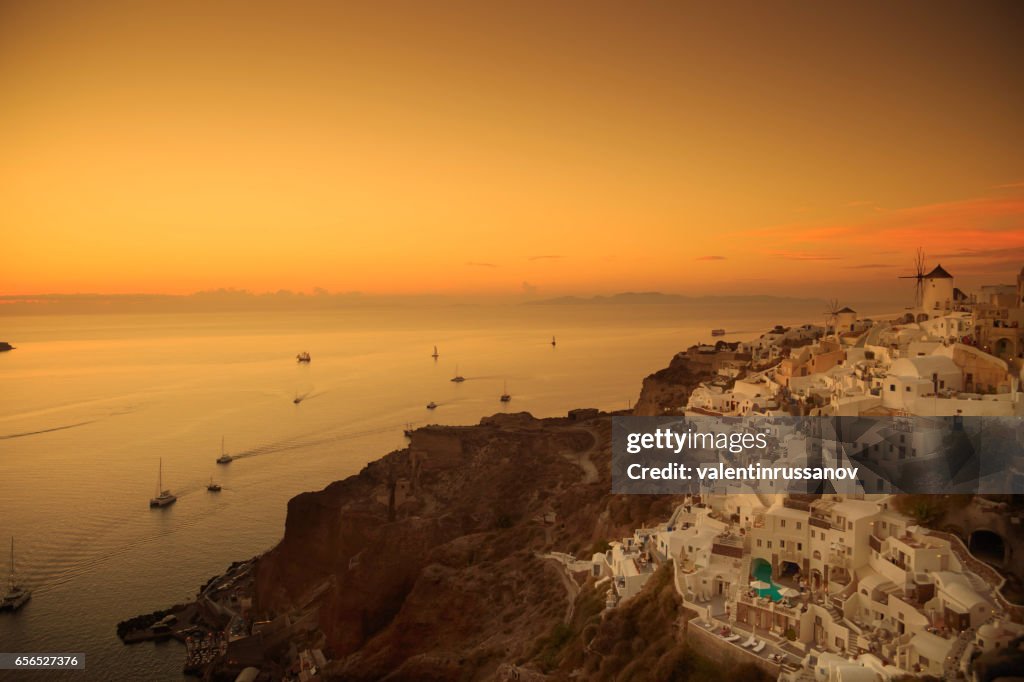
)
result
[(988, 631), (938, 273)]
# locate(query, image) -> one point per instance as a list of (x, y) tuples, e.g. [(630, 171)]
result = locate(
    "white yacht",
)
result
[(163, 497), (225, 458), (458, 378), (16, 595)]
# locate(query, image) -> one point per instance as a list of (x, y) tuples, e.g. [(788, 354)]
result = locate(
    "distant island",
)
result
[(658, 298)]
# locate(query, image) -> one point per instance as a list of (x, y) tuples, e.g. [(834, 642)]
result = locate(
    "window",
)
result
[(759, 542), (799, 525), (782, 544), (782, 523), (892, 388), (799, 546), (769, 544)]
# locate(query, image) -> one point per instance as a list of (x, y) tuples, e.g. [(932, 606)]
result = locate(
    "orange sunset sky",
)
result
[(415, 147)]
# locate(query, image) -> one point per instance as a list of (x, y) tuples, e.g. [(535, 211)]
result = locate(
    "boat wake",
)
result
[(42, 431), (314, 440)]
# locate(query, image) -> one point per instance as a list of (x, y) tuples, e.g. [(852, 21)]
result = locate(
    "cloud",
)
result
[(979, 232), (474, 264), (1006, 252), (710, 258), (802, 255), (868, 266), (529, 288), (553, 257)]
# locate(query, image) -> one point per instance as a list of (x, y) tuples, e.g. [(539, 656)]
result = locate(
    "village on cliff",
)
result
[(845, 587)]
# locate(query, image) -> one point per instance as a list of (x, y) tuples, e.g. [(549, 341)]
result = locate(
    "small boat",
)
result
[(163, 497), (16, 595), (717, 332), (6, 346), (298, 399), (224, 458), (303, 357), (431, 405), (436, 355), (553, 342), (213, 487), (408, 430), (505, 397), (458, 378)]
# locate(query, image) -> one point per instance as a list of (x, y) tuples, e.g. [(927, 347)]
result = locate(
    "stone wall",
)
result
[(714, 647)]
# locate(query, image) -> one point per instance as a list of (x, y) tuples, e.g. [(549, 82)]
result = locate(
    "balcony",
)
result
[(791, 555), (767, 604)]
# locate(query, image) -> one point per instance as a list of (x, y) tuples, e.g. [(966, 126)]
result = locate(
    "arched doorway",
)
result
[(1003, 348), (988, 546)]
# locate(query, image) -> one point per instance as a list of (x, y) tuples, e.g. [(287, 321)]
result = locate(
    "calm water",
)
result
[(89, 404)]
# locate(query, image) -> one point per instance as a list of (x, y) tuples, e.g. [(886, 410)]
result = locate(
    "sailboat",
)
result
[(553, 342), (458, 378), (16, 595), (163, 497), (505, 397), (224, 458), (303, 357), (213, 487), (431, 405), (436, 355)]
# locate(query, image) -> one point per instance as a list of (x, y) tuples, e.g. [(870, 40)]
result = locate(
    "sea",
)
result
[(91, 405)]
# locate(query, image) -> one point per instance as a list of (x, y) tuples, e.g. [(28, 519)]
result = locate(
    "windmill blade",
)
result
[(919, 272)]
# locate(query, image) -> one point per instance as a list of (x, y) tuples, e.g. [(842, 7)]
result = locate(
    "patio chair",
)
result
[(750, 642), (760, 647)]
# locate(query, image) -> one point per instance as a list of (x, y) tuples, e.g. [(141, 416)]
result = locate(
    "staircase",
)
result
[(852, 649), (979, 584), (798, 675)]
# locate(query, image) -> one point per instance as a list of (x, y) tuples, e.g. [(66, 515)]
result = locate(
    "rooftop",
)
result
[(938, 273)]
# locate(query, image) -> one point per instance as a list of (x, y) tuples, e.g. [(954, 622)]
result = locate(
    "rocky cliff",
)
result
[(431, 562), (667, 390)]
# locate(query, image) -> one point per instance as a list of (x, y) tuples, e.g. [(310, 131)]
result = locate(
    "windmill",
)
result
[(831, 315), (919, 276)]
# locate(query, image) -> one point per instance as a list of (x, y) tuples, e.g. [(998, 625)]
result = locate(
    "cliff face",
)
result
[(429, 563), (667, 390), (425, 565)]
